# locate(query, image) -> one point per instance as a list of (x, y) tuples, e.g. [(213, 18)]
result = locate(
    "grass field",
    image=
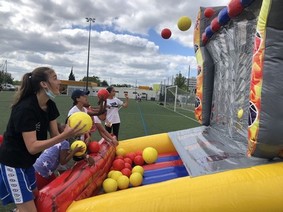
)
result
[(139, 119)]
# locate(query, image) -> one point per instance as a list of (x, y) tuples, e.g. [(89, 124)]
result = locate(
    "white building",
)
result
[(132, 93)]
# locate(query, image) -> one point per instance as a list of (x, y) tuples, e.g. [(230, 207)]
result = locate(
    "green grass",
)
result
[(139, 119)]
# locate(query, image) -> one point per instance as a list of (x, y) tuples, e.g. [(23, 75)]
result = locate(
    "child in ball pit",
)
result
[(50, 159)]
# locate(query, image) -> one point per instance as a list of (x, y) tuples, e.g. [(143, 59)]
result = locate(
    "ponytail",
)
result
[(31, 83)]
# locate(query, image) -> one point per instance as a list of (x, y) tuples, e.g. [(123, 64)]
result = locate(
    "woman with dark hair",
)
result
[(33, 115), (112, 121)]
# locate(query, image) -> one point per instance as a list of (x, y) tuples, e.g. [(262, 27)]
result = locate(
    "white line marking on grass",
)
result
[(182, 115)]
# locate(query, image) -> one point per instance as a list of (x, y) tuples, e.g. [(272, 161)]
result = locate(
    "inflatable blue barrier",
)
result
[(167, 158), (160, 175), (155, 172)]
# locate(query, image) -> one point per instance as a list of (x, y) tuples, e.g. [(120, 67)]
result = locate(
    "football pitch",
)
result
[(139, 119)]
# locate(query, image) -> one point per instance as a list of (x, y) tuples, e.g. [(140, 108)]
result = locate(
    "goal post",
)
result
[(178, 99), (168, 94)]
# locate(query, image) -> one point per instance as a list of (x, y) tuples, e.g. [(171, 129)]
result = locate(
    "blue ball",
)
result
[(208, 32), (223, 17)]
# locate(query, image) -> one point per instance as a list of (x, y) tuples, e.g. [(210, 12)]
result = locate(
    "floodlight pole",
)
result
[(189, 73), (90, 20)]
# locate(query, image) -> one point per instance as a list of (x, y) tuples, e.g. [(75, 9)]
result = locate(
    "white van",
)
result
[(8, 87)]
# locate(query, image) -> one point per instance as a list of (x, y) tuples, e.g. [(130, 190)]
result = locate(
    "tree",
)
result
[(180, 81), (104, 84), (6, 77), (93, 79), (72, 76)]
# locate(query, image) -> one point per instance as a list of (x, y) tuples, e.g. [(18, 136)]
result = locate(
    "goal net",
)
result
[(178, 99)]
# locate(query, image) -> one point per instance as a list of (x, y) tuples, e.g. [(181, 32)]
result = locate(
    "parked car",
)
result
[(8, 87)]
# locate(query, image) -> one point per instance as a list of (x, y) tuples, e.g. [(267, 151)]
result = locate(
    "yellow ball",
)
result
[(136, 179), (184, 23), (138, 169), (116, 174), (123, 182), (110, 173), (120, 151), (109, 185), (240, 113), (79, 143), (149, 155), (85, 119)]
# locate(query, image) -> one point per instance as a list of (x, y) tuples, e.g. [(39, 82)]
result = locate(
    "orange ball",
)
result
[(103, 94), (93, 147)]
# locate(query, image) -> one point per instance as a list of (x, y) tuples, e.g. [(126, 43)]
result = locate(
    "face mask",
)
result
[(49, 93)]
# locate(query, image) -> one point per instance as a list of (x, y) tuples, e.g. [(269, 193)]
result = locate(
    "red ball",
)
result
[(128, 165), (234, 8), (119, 157), (93, 147), (118, 164), (103, 94), (139, 160), (131, 155), (166, 33), (128, 160), (208, 12), (127, 172), (204, 38), (139, 152), (215, 26)]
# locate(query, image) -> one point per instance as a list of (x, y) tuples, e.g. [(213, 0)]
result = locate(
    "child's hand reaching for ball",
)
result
[(78, 149), (89, 160)]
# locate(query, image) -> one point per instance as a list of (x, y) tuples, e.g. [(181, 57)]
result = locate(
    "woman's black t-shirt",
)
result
[(26, 116)]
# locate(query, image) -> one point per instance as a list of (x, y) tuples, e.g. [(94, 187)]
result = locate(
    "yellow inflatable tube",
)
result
[(250, 189)]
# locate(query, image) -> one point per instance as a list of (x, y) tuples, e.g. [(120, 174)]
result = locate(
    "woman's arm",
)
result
[(35, 146), (92, 111), (53, 125), (126, 103), (105, 134)]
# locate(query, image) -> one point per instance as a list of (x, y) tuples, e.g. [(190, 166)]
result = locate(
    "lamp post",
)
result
[(189, 73), (90, 20)]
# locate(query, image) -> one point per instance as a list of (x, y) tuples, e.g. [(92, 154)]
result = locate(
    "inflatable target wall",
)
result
[(266, 97), (239, 90)]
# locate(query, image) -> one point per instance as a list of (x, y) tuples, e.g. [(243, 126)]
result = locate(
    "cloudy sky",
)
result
[(126, 46)]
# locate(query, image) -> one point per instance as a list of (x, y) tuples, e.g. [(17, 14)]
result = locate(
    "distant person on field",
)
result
[(139, 97), (33, 115), (112, 121)]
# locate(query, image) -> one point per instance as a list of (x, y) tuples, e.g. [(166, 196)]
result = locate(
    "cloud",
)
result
[(55, 33)]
